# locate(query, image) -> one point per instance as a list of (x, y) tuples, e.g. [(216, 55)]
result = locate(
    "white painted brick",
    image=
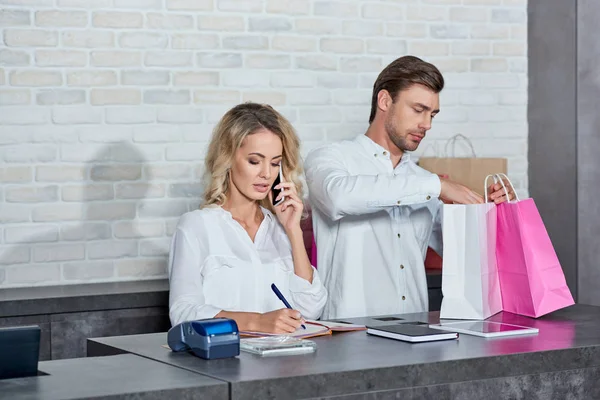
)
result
[(318, 26), (110, 211), (35, 78), (10, 17), (194, 41), (482, 2), (220, 23), (337, 9), (343, 45), (518, 32), (116, 172), (294, 7), (116, 249), (167, 97), (316, 62), (362, 28), (129, 115), (245, 78), (426, 13), (428, 48), (292, 79), (56, 18), (240, 6), (489, 65), (142, 268), (54, 134), (386, 46), (490, 31), (88, 39), (170, 22), (186, 152), (509, 49), (139, 190), (180, 115), (312, 115), (155, 247), (115, 58), (76, 115), (31, 194), (28, 154), (360, 64), (469, 14), (104, 134), (309, 97), (219, 60), (294, 43), (461, 81), (265, 97), (167, 171), (141, 4), (14, 255), (162, 208), (145, 78), (245, 42), (60, 58), (59, 173), (31, 233), (87, 270), (471, 48), (447, 65), (59, 252), (196, 78), (32, 274), (15, 174), (11, 213), (14, 58), (336, 80), (190, 5), (87, 4), (87, 192), (102, 97), (478, 98), (157, 134), (268, 61), (513, 98), (138, 229), (168, 59), (171, 225), (269, 24), (24, 116), (449, 31), (91, 78), (117, 20), (509, 16), (352, 97), (14, 97), (389, 12), (444, 2), (198, 173), (84, 231), (143, 40), (406, 30)]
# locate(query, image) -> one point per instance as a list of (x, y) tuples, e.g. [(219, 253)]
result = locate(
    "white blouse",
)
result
[(214, 266)]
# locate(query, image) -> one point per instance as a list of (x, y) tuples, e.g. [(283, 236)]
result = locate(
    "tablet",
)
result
[(484, 328)]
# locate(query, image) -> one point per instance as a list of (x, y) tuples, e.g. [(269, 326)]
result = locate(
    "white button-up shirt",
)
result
[(373, 224), (215, 266)]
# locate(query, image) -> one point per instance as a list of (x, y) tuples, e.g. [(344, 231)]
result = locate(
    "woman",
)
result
[(225, 256)]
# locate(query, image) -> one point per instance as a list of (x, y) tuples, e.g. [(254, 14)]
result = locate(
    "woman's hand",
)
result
[(289, 212), (280, 321)]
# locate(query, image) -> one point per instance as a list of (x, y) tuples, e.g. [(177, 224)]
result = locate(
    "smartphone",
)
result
[(276, 192)]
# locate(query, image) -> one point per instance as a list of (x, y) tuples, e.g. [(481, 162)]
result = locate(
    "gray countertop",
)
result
[(117, 377), (347, 363)]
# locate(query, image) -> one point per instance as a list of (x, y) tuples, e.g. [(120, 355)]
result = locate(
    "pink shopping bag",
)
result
[(532, 281)]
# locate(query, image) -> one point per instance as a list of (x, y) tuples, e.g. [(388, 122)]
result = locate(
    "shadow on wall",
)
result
[(111, 221)]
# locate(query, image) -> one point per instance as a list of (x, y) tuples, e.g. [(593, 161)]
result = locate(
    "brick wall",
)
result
[(106, 107)]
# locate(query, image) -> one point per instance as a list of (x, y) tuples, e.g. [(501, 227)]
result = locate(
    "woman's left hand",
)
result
[(289, 212)]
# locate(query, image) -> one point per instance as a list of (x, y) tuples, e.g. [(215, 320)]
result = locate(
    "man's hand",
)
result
[(497, 194), (455, 193)]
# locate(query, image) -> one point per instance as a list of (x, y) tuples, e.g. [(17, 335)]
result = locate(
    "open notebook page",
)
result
[(312, 330), (340, 326)]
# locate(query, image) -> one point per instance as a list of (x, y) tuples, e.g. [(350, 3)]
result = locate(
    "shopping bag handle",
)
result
[(452, 141), (502, 175), (496, 178)]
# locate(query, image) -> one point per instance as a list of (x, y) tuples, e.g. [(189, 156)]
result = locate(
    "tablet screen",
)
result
[(485, 326)]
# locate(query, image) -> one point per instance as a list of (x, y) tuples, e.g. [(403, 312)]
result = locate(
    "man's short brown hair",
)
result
[(401, 74)]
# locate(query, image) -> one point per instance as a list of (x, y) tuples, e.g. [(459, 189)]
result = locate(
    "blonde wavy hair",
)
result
[(239, 122)]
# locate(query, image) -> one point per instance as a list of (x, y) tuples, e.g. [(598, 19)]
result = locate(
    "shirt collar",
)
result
[(378, 151)]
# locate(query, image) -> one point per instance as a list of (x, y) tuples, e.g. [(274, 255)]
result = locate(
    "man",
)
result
[(375, 211)]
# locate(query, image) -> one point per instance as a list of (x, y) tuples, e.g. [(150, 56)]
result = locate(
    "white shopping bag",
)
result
[(470, 282)]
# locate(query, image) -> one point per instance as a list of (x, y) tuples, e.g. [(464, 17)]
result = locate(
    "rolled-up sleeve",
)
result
[(186, 297), (308, 298)]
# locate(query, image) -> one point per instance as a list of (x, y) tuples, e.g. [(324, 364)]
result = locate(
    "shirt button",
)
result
[(385, 153), (403, 298), (375, 155), (398, 235), (428, 197), (399, 201), (401, 266)]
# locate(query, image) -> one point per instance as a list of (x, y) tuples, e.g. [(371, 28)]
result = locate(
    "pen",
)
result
[(278, 293)]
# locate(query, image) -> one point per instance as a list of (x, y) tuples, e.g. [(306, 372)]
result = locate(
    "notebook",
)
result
[(410, 333), (313, 329)]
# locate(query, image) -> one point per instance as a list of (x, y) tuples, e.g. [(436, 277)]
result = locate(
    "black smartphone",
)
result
[(276, 192)]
